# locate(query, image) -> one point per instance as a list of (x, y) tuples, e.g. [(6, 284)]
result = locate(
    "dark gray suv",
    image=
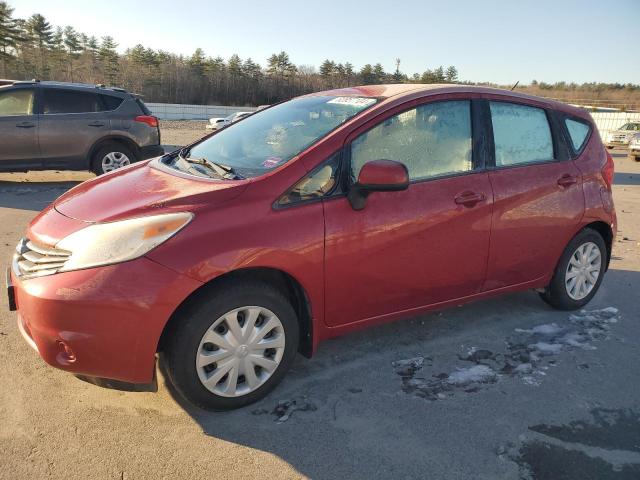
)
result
[(51, 125)]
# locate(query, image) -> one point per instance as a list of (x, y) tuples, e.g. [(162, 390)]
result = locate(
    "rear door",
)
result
[(18, 128), (71, 121), (417, 247), (538, 199)]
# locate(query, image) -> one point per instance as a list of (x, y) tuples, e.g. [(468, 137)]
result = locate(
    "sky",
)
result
[(498, 41)]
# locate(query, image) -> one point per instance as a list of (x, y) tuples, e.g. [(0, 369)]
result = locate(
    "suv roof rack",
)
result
[(21, 82)]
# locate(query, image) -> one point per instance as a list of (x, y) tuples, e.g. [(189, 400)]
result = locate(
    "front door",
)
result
[(18, 129), (421, 246)]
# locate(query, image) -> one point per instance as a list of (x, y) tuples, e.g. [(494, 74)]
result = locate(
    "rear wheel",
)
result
[(111, 156), (579, 272), (233, 348)]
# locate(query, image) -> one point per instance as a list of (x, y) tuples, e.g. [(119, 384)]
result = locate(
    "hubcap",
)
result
[(583, 270), (114, 160), (240, 351)]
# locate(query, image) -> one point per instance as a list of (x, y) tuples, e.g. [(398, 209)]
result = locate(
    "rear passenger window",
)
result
[(578, 131), (521, 134), (111, 103), (68, 101), (431, 140)]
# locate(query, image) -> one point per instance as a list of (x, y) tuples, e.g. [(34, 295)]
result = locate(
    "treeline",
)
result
[(33, 48)]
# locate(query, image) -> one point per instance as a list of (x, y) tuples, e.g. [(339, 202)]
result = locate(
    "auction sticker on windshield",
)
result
[(272, 162), (359, 102)]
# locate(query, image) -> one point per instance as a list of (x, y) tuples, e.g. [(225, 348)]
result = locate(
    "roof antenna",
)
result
[(515, 85)]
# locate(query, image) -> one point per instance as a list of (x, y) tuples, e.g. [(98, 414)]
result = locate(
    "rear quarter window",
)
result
[(111, 102), (578, 133), (143, 107)]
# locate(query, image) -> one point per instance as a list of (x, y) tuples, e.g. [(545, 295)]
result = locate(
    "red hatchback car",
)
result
[(312, 218)]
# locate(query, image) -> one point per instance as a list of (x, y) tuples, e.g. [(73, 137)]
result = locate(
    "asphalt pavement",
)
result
[(457, 394)]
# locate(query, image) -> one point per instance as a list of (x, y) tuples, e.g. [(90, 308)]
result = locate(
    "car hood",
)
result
[(142, 189)]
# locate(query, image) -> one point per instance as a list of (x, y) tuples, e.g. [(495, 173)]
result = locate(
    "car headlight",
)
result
[(108, 243)]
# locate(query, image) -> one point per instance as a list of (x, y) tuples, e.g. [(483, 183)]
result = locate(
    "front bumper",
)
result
[(101, 322)]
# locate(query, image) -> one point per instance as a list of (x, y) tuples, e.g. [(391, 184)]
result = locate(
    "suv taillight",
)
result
[(148, 119), (608, 171)]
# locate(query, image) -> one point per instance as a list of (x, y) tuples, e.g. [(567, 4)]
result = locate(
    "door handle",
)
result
[(96, 124), (567, 180), (25, 125), (469, 199)]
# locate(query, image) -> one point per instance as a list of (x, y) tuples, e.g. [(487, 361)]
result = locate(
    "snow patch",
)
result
[(477, 373), (529, 352)]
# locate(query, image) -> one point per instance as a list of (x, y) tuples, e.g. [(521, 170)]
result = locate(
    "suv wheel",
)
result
[(233, 348), (111, 156), (579, 272)]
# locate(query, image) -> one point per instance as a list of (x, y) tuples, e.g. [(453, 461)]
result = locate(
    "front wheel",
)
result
[(231, 349), (579, 272)]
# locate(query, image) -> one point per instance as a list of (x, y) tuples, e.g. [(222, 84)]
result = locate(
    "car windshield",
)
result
[(272, 137), (631, 126)]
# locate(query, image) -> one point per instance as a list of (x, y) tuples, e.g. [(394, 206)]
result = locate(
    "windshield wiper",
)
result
[(223, 171)]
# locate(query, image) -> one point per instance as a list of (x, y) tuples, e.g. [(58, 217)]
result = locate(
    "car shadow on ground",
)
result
[(351, 393), (31, 195)]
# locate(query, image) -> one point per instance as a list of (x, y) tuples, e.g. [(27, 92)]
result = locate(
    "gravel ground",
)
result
[(499, 389), (182, 132)]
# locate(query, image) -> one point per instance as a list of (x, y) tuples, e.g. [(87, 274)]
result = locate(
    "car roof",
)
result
[(399, 90), (69, 85)]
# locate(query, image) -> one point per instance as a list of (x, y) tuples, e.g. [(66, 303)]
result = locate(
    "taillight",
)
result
[(608, 171), (148, 119)]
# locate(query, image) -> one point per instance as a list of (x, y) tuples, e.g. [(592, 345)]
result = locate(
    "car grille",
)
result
[(33, 260)]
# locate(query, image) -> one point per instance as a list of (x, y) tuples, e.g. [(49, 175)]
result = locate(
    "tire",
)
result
[(557, 294), (187, 344), (114, 150)]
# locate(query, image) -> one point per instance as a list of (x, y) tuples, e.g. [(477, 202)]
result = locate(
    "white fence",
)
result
[(176, 111), (609, 121)]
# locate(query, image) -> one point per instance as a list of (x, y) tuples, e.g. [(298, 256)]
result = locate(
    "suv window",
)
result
[(143, 107), (431, 140), (578, 131), (16, 102), (69, 101), (111, 102), (521, 134)]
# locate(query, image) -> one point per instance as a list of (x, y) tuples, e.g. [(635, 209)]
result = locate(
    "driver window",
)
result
[(431, 140)]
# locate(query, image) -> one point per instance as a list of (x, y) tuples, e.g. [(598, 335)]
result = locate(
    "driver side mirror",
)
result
[(378, 176)]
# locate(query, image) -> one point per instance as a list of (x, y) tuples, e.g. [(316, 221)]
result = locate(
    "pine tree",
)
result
[(9, 36), (379, 73), (327, 68), (109, 60), (196, 62), (41, 34), (366, 74), (451, 75)]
